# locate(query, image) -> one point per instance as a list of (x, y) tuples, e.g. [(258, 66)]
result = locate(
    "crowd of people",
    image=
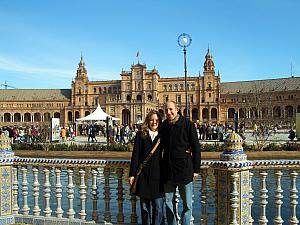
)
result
[(35, 133), (28, 134), (118, 134)]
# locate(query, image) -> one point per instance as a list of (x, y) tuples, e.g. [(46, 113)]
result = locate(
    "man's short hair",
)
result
[(171, 101)]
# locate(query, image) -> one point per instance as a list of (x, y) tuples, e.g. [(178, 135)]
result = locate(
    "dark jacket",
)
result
[(150, 185), (181, 151)]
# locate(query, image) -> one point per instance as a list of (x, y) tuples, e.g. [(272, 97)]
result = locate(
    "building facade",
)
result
[(141, 90)]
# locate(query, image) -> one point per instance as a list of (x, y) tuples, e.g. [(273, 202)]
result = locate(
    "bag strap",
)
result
[(148, 157)]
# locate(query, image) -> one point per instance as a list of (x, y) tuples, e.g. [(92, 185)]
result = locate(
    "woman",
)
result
[(149, 185)]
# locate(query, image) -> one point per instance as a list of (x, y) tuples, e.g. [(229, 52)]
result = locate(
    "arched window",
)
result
[(195, 114), (128, 98), (176, 87), (76, 114), (37, 117), (139, 98), (27, 117), (277, 112), (205, 114), (231, 112), (7, 117), (289, 111), (17, 117), (214, 113), (57, 115), (70, 116)]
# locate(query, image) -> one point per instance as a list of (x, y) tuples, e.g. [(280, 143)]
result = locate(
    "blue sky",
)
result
[(41, 41)]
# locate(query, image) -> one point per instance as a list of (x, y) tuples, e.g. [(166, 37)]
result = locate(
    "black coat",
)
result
[(150, 185), (177, 139)]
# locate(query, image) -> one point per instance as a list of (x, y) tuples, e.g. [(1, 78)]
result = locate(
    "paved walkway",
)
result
[(279, 137)]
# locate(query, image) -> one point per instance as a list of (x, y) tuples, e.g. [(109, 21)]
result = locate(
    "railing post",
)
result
[(6, 176), (233, 183)]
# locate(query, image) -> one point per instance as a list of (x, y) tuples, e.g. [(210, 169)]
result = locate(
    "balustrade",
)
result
[(71, 189), (72, 195)]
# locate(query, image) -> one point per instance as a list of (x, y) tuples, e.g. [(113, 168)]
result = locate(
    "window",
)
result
[(176, 87), (181, 87), (178, 98), (95, 90), (139, 98), (166, 98), (191, 98), (193, 87), (149, 86), (209, 85), (165, 87), (170, 87), (209, 95)]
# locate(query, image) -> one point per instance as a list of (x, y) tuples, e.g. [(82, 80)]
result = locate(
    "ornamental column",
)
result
[(6, 200), (233, 183)]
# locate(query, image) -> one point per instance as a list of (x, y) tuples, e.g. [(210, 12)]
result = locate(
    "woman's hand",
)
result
[(130, 180)]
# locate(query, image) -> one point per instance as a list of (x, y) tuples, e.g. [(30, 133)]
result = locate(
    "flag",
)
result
[(137, 54)]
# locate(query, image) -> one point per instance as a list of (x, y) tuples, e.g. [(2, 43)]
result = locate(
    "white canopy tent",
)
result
[(97, 115)]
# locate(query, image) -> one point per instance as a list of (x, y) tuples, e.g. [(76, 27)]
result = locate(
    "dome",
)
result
[(233, 148), (233, 142)]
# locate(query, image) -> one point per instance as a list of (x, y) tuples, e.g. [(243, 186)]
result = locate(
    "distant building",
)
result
[(141, 90)]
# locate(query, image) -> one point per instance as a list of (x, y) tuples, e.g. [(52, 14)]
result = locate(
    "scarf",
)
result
[(153, 134), (174, 120)]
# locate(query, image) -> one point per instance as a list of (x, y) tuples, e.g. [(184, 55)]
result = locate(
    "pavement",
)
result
[(280, 137)]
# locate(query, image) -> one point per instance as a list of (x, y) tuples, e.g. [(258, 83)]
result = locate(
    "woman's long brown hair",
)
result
[(145, 125)]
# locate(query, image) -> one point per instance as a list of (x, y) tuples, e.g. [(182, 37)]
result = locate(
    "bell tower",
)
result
[(81, 71), (80, 85), (209, 65), (210, 94)]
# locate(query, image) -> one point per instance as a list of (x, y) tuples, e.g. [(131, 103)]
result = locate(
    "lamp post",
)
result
[(184, 40)]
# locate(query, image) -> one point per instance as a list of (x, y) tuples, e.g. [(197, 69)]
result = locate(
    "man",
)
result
[(181, 161)]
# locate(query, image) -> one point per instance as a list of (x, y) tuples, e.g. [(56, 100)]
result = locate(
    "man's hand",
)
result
[(130, 180), (196, 174)]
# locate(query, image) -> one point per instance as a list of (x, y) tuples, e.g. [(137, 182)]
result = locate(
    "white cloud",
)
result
[(14, 66)]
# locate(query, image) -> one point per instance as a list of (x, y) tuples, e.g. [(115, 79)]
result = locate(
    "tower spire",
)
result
[(81, 70), (209, 63)]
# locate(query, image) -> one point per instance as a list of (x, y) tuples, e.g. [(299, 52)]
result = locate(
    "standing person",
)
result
[(180, 163), (149, 184), (63, 134)]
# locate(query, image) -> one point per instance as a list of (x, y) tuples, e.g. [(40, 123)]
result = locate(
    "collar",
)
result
[(174, 120)]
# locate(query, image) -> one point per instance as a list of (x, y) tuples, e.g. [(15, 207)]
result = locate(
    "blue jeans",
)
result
[(185, 192), (157, 211)]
